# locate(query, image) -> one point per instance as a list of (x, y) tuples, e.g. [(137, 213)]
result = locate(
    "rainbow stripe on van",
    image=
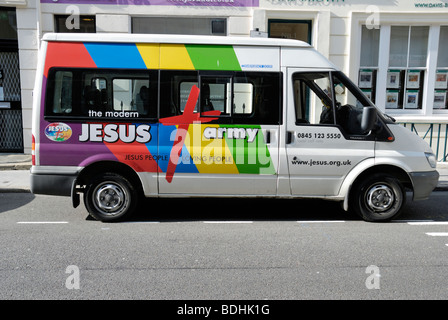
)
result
[(157, 56), (201, 151)]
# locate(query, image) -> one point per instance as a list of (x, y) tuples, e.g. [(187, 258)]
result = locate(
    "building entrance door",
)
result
[(11, 129)]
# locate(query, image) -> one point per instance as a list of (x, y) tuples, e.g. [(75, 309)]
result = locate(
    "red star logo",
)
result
[(183, 122)]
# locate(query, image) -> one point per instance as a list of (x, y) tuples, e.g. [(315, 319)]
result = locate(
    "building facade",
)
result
[(397, 51)]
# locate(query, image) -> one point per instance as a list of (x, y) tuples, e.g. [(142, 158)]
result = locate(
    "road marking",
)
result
[(428, 223), (411, 221), (227, 222), (437, 234), (321, 221), (41, 222), (140, 222)]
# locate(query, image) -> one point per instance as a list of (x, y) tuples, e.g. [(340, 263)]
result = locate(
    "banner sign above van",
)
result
[(217, 3)]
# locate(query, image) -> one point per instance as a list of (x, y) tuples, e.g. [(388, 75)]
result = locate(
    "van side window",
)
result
[(216, 94), (131, 94), (175, 87), (328, 98), (101, 94), (257, 98), (313, 98), (241, 97), (63, 93)]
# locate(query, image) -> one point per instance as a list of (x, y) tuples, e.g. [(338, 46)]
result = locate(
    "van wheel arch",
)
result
[(390, 178), (108, 166), (120, 174), (391, 170)]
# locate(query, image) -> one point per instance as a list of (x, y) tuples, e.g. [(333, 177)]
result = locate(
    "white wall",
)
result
[(335, 27), (28, 50)]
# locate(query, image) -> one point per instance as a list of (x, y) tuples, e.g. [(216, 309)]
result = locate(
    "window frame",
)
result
[(435, 21), (307, 84), (79, 76), (83, 27), (162, 85), (227, 118)]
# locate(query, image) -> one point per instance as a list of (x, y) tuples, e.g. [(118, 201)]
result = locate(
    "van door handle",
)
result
[(289, 135), (268, 137)]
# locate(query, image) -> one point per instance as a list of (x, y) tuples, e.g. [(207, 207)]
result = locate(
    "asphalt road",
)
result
[(227, 249)]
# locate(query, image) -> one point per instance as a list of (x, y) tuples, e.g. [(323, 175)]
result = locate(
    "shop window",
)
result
[(290, 29), (75, 24), (219, 27), (11, 135), (442, 60), (8, 24), (441, 78), (179, 25), (9, 61), (370, 40), (407, 67)]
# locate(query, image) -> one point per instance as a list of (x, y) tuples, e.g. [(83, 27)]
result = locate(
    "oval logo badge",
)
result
[(58, 131)]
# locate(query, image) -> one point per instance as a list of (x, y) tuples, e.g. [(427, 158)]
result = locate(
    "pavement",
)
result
[(15, 173)]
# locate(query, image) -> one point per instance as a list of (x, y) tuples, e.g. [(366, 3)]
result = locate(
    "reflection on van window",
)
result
[(130, 94), (241, 97), (175, 88), (93, 93), (216, 94), (243, 93), (184, 92), (63, 96), (328, 98)]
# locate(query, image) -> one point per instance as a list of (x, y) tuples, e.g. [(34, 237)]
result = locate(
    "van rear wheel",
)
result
[(110, 197), (380, 197)]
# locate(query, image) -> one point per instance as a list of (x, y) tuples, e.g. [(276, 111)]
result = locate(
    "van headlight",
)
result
[(431, 159)]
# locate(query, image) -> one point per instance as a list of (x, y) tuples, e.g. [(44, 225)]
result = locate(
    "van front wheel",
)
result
[(380, 197), (110, 197)]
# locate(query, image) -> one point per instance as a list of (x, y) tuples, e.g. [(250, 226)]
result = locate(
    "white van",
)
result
[(118, 117)]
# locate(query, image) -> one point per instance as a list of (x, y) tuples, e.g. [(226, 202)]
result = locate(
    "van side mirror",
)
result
[(369, 118)]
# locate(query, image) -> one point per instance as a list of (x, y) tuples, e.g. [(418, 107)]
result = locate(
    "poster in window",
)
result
[(2, 94), (367, 93), (411, 99), (392, 99), (393, 79), (441, 79), (365, 78), (413, 80), (439, 99), (5, 105)]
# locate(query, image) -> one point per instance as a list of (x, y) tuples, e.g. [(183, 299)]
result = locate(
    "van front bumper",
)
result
[(424, 183)]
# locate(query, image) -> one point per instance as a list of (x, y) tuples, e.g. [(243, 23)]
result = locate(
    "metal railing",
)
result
[(436, 134)]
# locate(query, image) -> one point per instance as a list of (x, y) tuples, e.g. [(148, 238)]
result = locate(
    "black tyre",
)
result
[(380, 197), (110, 197)]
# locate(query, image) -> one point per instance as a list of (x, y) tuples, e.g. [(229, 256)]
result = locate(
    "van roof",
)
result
[(164, 38)]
